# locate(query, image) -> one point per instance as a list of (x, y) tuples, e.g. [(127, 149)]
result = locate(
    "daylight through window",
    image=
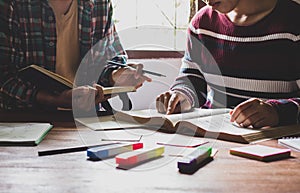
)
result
[(152, 24)]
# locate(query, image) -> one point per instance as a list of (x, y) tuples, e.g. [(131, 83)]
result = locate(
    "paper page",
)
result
[(259, 150), (195, 113), (174, 118), (181, 141), (118, 89), (105, 123), (220, 123), (121, 136), (22, 132), (293, 143)]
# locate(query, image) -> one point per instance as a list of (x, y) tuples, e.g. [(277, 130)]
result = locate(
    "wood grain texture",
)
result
[(22, 170)]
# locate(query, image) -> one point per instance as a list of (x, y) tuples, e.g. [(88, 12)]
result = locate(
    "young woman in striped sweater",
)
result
[(241, 54)]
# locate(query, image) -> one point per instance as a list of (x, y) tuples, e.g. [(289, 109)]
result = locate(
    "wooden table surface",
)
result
[(22, 170)]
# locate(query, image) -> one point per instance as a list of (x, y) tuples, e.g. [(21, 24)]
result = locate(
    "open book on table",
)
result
[(46, 79), (140, 118), (213, 123)]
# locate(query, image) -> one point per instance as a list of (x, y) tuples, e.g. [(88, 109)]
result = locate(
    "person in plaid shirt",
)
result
[(56, 35), (241, 54)]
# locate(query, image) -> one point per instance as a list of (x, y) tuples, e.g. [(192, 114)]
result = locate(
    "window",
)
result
[(152, 24)]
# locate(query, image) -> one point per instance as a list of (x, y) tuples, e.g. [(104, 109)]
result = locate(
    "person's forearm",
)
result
[(106, 75), (46, 98), (288, 110), (191, 84), (19, 90)]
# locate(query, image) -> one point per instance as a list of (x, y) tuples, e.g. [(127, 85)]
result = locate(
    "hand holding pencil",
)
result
[(129, 75), (132, 66)]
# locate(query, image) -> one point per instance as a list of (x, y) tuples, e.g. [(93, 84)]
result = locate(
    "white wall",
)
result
[(145, 96)]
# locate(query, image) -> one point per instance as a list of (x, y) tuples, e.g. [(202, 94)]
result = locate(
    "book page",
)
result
[(118, 89), (149, 114), (220, 123), (195, 113), (23, 132), (293, 143), (105, 123)]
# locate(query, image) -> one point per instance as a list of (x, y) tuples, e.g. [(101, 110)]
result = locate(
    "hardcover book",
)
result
[(46, 79)]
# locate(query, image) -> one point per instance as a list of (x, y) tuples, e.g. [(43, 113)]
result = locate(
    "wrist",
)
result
[(106, 77), (189, 98), (184, 97), (45, 98), (111, 77), (286, 110)]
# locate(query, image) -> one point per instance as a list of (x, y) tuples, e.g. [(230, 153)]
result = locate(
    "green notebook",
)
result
[(23, 134)]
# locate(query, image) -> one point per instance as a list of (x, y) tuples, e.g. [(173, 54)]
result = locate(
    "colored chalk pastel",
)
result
[(111, 150), (194, 160), (139, 156)]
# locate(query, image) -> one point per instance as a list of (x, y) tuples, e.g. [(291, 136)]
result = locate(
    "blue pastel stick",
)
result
[(107, 151)]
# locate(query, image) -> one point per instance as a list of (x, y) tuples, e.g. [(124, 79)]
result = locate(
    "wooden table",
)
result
[(22, 170)]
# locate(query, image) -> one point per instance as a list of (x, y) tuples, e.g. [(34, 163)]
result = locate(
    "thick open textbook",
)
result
[(123, 119), (46, 79), (212, 123)]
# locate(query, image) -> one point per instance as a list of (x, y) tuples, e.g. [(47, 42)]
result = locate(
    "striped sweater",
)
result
[(225, 64)]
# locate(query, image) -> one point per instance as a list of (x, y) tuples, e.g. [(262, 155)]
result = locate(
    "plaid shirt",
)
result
[(28, 36)]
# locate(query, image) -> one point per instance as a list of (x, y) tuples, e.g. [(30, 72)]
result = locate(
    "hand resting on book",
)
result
[(172, 102), (256, 113), (251, 113)]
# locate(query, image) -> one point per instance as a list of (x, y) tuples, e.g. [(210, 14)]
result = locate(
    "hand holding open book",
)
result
[(46, 79), (58, 91)]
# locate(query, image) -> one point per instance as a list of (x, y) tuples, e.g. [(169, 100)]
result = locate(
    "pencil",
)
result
[(68, 149), (62, 150), (144, 71)]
